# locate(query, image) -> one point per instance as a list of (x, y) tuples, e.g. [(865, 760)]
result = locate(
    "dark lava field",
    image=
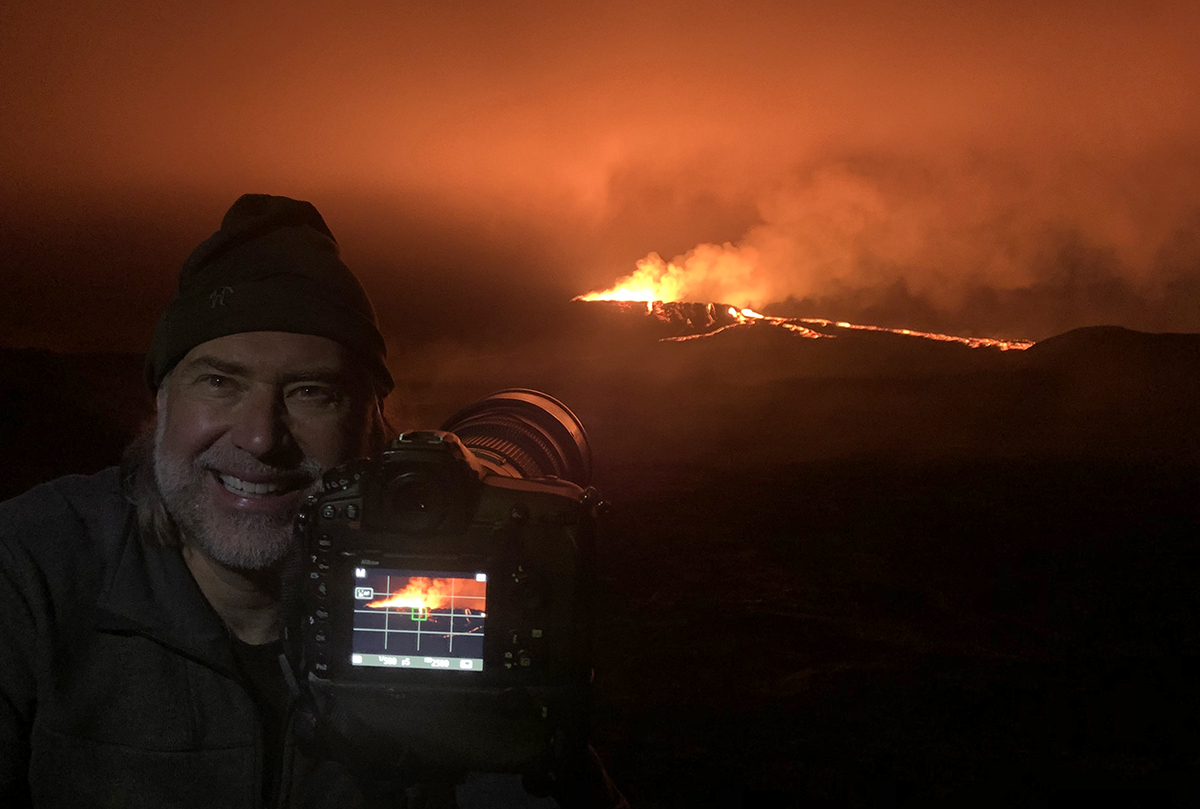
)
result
[(863, 571)]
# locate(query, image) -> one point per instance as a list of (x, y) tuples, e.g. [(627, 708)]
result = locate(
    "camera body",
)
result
[(445, 611)]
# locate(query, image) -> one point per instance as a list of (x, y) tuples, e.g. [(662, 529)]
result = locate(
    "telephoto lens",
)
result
[(525, 433)]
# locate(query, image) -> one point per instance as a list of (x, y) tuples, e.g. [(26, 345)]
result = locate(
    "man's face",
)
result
[(247, 424)]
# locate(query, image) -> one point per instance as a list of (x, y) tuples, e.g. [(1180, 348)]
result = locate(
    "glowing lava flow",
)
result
[(743, 317), (737, 317), (423, 594), (662, 285), (709, 319), (973, 342)]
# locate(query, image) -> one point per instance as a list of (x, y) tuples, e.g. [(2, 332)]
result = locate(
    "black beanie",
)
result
[(273, 266)]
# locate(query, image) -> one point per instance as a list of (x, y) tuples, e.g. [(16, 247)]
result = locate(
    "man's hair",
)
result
[(155, 524)]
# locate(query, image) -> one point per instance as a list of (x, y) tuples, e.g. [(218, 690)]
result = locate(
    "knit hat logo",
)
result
[(217, 296)]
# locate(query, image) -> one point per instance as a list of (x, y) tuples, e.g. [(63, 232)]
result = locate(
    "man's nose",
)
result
[(260, 423)]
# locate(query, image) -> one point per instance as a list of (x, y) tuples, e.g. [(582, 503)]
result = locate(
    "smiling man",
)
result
[(269, 369), (247, 424), (140, 607)]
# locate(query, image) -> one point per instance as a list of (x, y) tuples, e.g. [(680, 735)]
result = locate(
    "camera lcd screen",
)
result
[(418, 619)]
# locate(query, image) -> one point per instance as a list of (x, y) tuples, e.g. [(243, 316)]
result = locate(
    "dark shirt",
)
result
[(120, 685), (261, 668)]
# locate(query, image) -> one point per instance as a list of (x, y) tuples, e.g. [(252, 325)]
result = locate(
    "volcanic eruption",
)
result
[(421, 594), (658, 289)]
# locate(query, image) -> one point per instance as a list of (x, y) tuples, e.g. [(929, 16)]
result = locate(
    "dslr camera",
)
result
[(441, 616)]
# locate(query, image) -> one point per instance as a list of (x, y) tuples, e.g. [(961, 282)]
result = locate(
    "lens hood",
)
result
[(525, 433)]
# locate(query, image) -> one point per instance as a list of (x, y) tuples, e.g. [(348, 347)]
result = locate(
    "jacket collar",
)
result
[(151, 592)]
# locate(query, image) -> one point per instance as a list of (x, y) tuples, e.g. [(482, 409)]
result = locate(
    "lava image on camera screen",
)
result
[(419, 619)]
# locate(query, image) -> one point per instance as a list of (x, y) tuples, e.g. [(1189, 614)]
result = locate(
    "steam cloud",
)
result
[(1005, 169), (985, 246)]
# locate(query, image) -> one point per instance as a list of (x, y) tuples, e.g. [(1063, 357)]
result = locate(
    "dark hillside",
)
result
[(862, 571), (66, 413)]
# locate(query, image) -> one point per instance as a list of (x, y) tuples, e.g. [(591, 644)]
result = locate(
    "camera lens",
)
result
[(419, 502), (525, 433)]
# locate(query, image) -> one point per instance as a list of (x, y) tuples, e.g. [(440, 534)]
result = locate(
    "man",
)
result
[(140, 608)]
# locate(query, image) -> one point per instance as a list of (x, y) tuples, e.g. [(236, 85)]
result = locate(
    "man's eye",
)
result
[(315, 394), (217, 386)]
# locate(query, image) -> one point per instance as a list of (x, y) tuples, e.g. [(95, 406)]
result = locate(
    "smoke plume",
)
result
[(1014, 168), (975, 245)]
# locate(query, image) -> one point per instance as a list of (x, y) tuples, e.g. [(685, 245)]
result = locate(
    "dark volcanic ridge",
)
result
[(708, 384), (877, 569), (726, 339)]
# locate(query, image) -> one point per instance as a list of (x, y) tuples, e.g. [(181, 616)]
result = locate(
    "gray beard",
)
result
[(243, 541)]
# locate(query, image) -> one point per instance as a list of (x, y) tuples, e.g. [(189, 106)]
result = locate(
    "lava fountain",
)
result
[(662, 288)]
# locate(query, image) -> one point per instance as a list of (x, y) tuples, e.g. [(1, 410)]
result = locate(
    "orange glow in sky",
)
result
[(1020, 166)]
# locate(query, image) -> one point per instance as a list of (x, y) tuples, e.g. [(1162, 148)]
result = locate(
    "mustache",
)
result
[(244, 465)]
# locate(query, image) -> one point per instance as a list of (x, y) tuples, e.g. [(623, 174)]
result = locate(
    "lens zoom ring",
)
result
[(509, 451)]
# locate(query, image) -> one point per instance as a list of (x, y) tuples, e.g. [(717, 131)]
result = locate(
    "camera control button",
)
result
[(329, 511), (532, 593), (352, 511)]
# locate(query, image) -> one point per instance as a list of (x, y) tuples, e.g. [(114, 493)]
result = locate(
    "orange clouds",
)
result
[(855, 143)]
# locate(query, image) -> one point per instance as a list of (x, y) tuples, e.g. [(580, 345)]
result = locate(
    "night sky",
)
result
[(1010, 169)]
